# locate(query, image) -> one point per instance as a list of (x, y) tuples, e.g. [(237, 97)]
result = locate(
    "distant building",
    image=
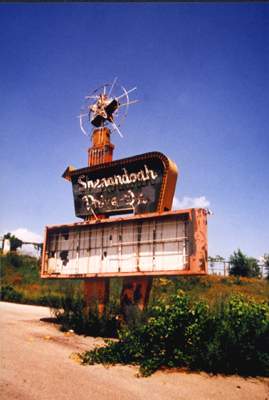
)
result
[(6, 246)]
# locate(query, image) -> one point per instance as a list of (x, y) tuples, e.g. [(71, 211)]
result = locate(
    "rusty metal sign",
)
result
[(169, 243), (140, 184)]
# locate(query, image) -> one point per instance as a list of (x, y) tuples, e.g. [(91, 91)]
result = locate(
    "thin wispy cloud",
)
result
[(190, 202)]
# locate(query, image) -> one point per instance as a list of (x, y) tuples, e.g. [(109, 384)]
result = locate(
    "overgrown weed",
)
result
[(232, 337)]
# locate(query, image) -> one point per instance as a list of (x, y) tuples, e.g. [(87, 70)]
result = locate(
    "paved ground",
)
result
[(36, 363)]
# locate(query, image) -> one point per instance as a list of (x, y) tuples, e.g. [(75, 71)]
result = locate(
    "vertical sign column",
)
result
[(96, 291)]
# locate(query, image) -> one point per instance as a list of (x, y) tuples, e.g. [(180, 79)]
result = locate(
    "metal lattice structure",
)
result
[(106, 106)]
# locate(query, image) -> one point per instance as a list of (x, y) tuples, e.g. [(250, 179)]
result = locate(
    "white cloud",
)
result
[(190, 202), (27, 236)]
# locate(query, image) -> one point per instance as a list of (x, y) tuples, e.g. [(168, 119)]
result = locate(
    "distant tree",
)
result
[(254, 268), (14, 242), (241, 265)]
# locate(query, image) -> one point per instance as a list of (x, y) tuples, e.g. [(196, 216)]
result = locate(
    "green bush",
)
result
[(18, 261), (241, 339), (72, 313), (48, 300), (8, 293), (12, 259), (230, 338), (241, 265)]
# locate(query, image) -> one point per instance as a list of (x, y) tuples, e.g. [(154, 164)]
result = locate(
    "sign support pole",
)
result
[(135, 292), (96, 291)]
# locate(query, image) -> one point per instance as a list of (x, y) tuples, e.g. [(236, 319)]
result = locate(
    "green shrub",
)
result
[(12, 259), (8, 293), (241, 339), (241, 265), (230, 338), (48, 300), (18, 261), (72, 313), (187, 283), (226, 281)]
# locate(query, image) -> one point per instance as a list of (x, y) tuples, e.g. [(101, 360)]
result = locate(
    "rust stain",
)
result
[(102, 149), (198, 254)]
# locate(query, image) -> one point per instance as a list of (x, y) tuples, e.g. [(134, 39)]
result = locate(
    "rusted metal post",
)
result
[(199, 252), (135, 292), (101, 150), (96, 291)]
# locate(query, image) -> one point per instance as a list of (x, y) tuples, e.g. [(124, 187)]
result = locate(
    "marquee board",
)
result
[(141, 184), (169, 243)]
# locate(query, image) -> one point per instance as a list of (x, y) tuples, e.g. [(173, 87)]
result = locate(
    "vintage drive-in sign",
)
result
[(140, 184)]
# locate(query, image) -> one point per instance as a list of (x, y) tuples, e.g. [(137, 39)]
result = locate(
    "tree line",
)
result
[(242, 265)]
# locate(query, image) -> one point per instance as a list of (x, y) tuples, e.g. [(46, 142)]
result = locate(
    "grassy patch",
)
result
[(210, 288), (21, 282)]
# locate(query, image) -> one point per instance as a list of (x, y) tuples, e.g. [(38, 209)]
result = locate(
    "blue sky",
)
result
[(202, 76)]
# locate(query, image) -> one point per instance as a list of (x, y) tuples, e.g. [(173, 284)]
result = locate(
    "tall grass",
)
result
[(21, 282)]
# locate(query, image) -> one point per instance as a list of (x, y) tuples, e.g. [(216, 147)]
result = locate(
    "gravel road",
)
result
[(37, 364)]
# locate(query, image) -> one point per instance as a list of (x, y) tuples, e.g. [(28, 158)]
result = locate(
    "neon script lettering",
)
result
[(143, 175)]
